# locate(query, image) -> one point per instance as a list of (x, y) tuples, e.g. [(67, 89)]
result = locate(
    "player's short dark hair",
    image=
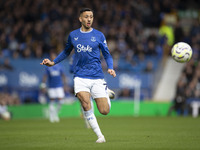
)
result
[(85, 9)]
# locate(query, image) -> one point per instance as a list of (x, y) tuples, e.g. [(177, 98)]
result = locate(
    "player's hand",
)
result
[(112, 72), (47, 62)]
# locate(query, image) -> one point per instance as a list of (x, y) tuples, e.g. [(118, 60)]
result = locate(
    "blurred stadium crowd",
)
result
[(136, 31), (33, 28)]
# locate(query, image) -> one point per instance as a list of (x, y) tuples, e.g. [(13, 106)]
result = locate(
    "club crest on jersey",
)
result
[(83, 48), (76, 38), (93, 39)]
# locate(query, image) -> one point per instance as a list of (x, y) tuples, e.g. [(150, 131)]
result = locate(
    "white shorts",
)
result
[(54, 93), (96, 87)]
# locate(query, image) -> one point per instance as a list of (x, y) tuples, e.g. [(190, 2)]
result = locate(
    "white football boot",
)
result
[(101, 139), (56, 118), (53, 114), (111, 94)]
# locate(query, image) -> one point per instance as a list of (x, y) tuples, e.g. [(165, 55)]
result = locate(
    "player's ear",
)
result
[(80, 19)]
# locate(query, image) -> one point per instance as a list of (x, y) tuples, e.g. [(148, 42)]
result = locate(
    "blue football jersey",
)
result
[(54, 75), (88, 47)]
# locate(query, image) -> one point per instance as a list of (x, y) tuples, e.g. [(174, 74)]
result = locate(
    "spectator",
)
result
[(149, 67), (6, 65), (10, 99), (179, 103)]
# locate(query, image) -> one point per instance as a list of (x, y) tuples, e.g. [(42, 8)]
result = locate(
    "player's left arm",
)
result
[(107, 56), (112, 72)]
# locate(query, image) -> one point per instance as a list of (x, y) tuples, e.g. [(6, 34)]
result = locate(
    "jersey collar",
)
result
[(86, 31)]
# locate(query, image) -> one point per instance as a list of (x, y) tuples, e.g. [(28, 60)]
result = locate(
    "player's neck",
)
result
[(83, 29)]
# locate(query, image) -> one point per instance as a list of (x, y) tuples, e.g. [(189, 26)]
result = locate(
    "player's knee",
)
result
[(86, 107), (104, 111)]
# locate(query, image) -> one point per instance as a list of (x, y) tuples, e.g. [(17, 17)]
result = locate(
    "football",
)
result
[(181, 52)]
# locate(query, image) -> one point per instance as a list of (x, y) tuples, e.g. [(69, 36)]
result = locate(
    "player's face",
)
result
[(86, 19)]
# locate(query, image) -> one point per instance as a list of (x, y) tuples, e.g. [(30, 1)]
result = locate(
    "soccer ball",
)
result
[(181, 52)]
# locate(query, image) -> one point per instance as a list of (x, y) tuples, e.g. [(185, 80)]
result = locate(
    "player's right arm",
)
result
[(66, 52)]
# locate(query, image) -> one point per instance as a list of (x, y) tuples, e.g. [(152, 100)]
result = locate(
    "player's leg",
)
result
[(61, 95), (58, 93), (52, 108), (103, 105), (84, 117), (4, 113), (84, 98), (82, 90), (100, 94), (104, 108), (111, 95)]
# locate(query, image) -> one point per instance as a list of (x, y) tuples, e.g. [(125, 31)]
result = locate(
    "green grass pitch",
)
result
[(122, 133)]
